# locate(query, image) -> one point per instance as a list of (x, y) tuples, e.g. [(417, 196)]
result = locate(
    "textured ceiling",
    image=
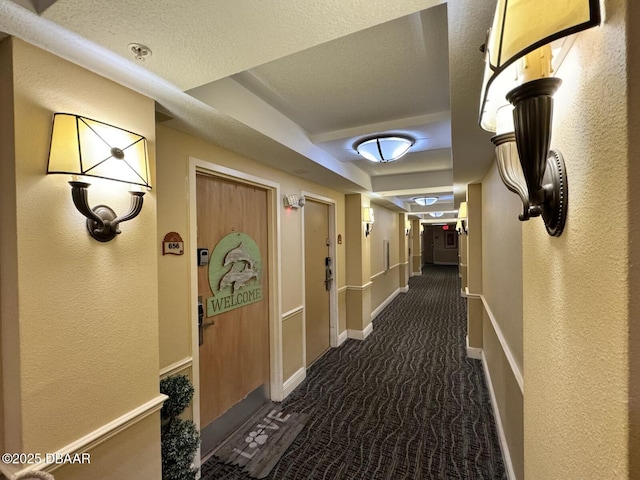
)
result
[(300, 82)]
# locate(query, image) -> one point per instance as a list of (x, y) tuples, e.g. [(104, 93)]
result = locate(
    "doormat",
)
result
[(262, 440)]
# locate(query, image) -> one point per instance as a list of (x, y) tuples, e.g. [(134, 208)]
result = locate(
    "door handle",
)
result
[(328, 274), (201, 323)]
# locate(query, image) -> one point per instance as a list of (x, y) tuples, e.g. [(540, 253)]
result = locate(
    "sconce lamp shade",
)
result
[(367, 215), (384, 148), (462, 211), (82, 146), (520, 27)]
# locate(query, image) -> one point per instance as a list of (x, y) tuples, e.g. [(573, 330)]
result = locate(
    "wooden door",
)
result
[(427, 246), (316, 251), (234, 353)]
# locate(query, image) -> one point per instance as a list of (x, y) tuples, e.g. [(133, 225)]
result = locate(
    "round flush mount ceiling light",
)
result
[(436, 214), (425, 201), (384, 148)]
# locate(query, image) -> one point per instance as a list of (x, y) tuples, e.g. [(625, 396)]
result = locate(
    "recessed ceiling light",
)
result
[(436, 214), (424, 201)]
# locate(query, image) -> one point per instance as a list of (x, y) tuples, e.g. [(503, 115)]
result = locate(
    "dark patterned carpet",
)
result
[(405, 403)]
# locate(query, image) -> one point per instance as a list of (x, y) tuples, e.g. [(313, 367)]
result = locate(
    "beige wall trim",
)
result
[(505, 346), (373, 277), (468, 294), (386, 302), (292, 312), (342, 289), (506, 455), (358, 287), (473, 352), (342, 337), (360, 334), (176, 367), (293, 382), (96, 437)]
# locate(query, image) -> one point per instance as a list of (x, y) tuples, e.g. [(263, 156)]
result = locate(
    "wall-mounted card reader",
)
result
[(203, 257)]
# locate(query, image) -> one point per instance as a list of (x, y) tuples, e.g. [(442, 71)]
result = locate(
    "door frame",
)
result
[(275, 305), (333, 293)]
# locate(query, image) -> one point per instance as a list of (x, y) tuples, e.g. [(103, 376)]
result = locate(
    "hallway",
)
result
[(405, 403)]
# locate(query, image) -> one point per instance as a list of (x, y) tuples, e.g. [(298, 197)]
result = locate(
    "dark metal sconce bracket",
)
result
[(102, 222), (544, 169), (556, 189)]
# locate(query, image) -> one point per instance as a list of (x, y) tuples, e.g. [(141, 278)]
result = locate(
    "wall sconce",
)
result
[(461, 224), (82, 146), (407, 227), (518, 84), (368, 219)]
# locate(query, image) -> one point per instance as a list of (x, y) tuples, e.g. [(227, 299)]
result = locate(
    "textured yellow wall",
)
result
[(8, 290), (508, 395), (173, 151), (502, 259), (633, 102), (384, 286), (385, 228), (113, 460), (292, 338), (576, 317), (502, 290), (87, 311)]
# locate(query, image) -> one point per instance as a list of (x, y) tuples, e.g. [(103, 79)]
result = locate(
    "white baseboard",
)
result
[(293, 382), (404, 289), (473, 352), (416, 274), (382, 306), (342, 338), (506, 456), (463, 292), (360, 334)]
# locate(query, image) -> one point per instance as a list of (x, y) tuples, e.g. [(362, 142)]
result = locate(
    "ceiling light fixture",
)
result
[(384, 148), (436, 214), (425, 201), (518, 75)]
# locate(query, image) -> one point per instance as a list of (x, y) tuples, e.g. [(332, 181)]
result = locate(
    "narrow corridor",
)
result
[(405, 403)]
